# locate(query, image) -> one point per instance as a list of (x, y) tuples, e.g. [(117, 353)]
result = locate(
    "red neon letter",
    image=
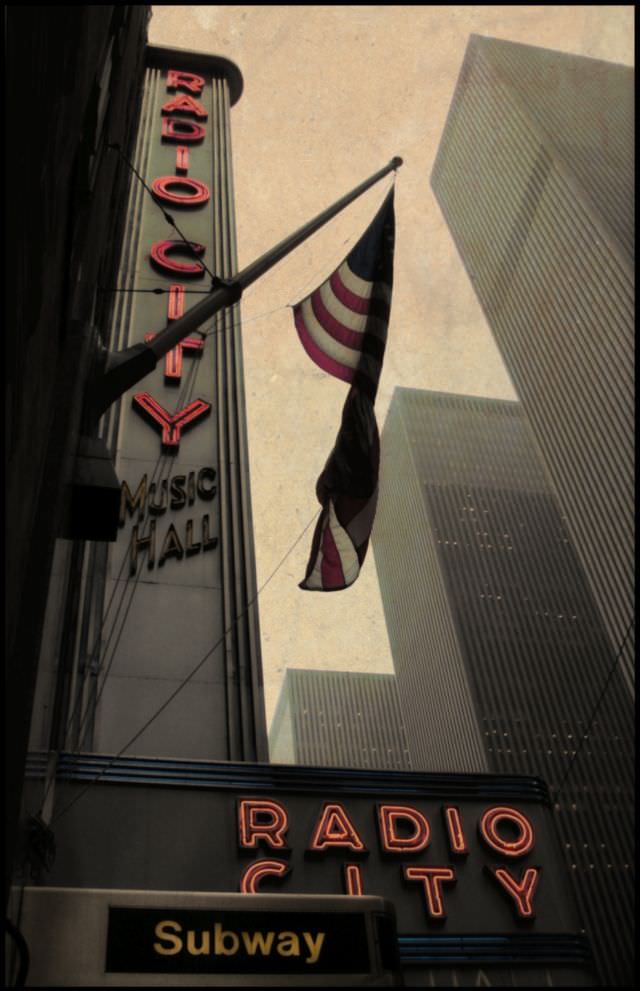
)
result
[(171, 426), (262, 819), (160, 250), (522, 891), (182, 159), (432, 878), (184, 80), (488, 827), (173, 359), (388, 816), (185, 105), (175, 309), (175, 129), (254, 873), (335, 829), (453, 820), (352, 879), (195, 194)]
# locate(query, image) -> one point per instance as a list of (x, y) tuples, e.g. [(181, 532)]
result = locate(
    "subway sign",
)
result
[(301, 935)]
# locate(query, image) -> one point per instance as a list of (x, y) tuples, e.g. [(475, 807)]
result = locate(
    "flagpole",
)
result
[(121, 370)]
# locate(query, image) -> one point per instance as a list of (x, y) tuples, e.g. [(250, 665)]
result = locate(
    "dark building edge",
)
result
[(71, 181)]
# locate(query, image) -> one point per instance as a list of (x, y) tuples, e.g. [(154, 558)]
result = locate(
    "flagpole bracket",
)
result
[(116, 372), (233, 287)]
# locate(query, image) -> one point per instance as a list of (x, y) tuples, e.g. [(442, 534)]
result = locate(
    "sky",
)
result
[(331, 94)]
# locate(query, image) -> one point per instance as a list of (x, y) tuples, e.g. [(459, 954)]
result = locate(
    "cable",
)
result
[(596, 707), (159, 468), (92, 656), (186, 680), (301, 294), (167, 216), (127, 586)]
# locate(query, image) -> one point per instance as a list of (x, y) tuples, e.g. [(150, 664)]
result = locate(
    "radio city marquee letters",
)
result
[(403, 831), (180, 190)]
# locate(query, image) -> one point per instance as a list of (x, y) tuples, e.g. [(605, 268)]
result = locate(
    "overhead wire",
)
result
[(131, 582), (189, 386), (93, 656), (159, 465), (188, 678), (596, 707), (167, 216)]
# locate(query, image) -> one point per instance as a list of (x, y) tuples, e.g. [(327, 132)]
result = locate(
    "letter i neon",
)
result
[(182, 160), (353, 879)]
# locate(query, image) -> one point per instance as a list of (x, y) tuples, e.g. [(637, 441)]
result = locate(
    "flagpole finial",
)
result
[(396, 162)]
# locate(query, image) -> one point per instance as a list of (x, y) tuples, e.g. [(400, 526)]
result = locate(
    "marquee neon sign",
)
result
[(402, 830)]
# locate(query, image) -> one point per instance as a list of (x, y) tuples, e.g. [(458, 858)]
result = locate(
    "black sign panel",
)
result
[(207, 941)]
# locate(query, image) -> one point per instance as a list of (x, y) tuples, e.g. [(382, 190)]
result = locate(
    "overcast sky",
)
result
[(331, 94)]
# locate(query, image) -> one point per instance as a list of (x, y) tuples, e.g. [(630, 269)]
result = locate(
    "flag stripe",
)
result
[(336, 563), (316, 353), (345, 356), (331, 568), (357, 303), (374, 323), (347, 318), (350, 565), (354, 283), (348, 336)]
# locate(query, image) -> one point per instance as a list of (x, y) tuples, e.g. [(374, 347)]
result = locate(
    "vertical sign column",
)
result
[(182, 575)]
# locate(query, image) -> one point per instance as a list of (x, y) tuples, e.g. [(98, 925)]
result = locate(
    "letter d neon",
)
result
[(220, 937)]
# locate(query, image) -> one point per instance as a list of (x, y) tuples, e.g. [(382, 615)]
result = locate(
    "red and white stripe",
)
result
[(341, 548), (332, 322)]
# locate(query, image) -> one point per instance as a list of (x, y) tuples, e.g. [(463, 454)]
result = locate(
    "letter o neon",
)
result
[(198, 192), (508, 848)]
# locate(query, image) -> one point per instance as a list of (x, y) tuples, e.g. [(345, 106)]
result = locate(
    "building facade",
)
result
[(339, 719), (535, 179), (148, 643), (502, 661), (64, 239), (146, 789), (163, 611)]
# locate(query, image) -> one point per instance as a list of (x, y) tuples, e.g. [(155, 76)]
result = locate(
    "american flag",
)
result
[(343, 328)]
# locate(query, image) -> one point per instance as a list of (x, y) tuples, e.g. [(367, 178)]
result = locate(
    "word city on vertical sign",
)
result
[(183, 119)]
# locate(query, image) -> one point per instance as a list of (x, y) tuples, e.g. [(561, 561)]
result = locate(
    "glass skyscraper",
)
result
[(535, 179), (339, 719), (502, 661)]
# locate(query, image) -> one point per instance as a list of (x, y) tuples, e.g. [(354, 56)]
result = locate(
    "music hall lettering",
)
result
[(155, 499)]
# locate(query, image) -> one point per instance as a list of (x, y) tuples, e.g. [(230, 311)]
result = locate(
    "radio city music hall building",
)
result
[(148, 795)]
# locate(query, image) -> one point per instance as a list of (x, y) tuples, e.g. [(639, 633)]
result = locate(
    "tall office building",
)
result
[(534, 176), (502, 661), (339, 719)]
